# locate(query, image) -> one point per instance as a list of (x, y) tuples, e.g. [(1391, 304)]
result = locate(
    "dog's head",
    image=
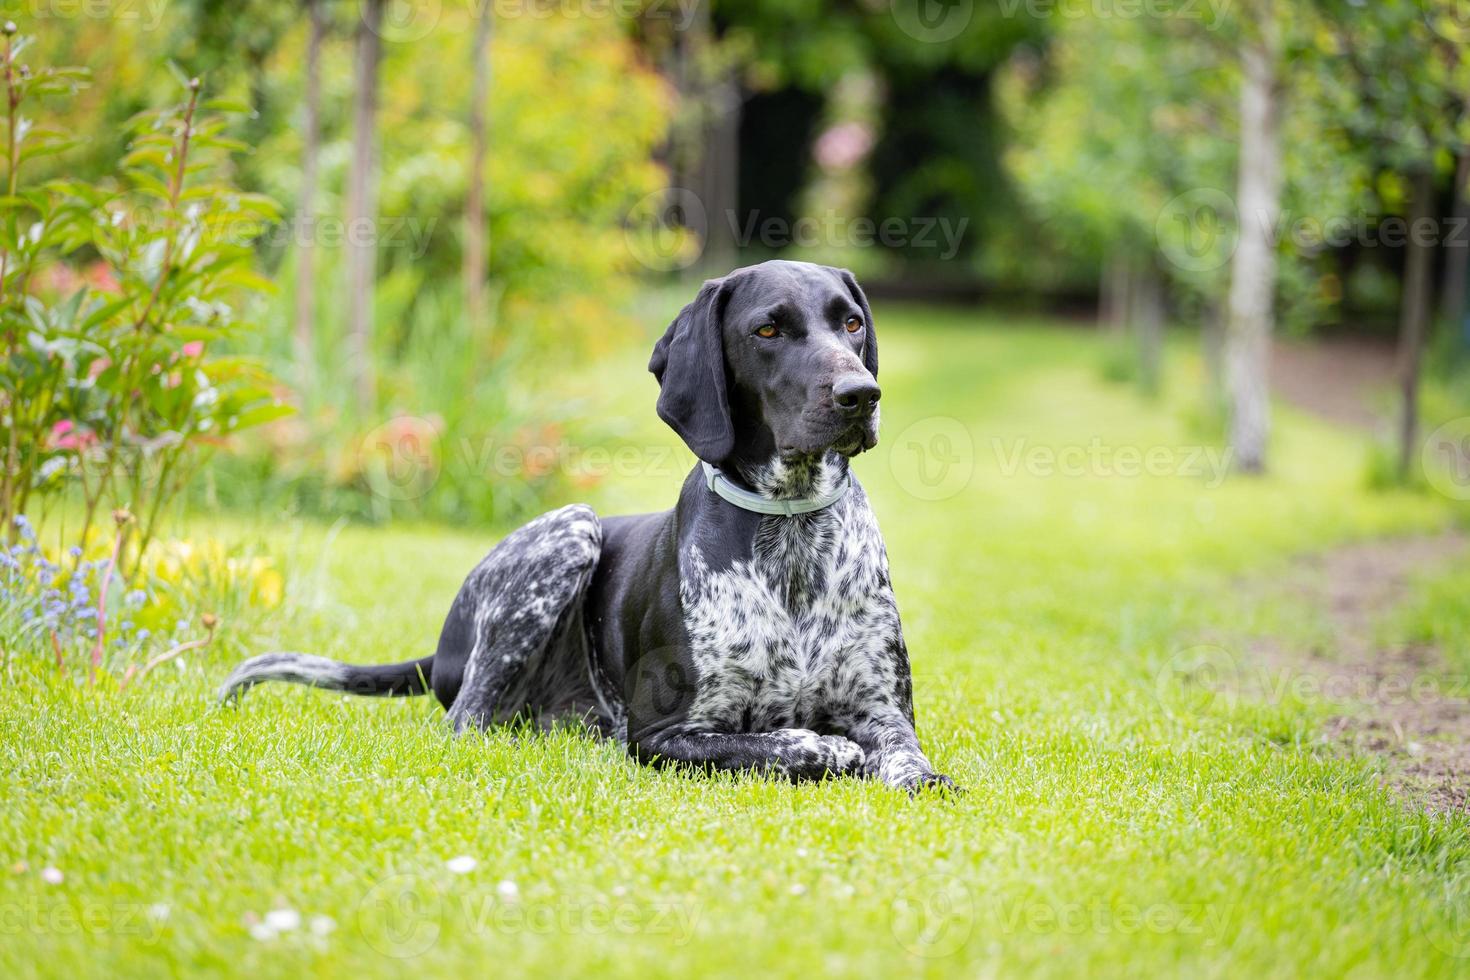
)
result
[(777, 359)]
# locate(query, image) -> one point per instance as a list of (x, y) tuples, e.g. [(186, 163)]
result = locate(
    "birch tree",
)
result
[(1250, 309), (361, 251)]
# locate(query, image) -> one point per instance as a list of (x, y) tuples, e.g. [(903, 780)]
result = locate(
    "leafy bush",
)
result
[(115, 299)]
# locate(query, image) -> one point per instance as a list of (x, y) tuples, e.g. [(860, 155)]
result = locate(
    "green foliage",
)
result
[(112, 295), (575, 118), (453, 442)]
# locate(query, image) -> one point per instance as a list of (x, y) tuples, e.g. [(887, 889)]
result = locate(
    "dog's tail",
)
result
[(386, 680)]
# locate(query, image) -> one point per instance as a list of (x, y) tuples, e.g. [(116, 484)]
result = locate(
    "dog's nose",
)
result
[(856, 395)]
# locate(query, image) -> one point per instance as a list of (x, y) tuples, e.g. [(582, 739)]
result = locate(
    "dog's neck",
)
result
[(791, 477)]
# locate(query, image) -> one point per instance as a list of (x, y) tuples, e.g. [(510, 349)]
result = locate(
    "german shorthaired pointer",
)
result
[(751, 627)]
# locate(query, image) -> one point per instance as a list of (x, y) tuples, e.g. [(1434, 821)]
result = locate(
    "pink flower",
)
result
[(65, 435), (194, 348), (843, 146)]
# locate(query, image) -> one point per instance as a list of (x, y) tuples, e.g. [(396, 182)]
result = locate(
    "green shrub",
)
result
[(116, 299)]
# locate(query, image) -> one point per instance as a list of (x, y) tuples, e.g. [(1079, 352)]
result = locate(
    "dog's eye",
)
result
[(766, 330), (854, 323)]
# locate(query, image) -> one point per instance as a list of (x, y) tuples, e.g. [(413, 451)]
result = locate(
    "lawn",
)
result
[(1060, 547)]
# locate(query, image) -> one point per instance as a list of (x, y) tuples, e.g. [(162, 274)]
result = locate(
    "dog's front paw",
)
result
[(911, 775), (933, 781)]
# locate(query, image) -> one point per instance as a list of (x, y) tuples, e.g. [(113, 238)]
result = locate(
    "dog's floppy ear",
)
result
[(870, 343), (689, 363)]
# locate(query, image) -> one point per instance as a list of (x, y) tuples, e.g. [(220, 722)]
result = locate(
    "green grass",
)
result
[(1117, 819)]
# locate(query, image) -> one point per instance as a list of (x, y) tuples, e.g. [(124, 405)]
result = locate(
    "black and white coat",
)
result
[(705, 635)]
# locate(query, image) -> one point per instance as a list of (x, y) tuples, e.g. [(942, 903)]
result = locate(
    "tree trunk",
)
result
[(722, 176), (1212, 339), (306, 206), (1414, 314), (362, 205), (687, 135), (1113, 293), (476, 230), (1253, 272), (1148, 324), (1457, 255)]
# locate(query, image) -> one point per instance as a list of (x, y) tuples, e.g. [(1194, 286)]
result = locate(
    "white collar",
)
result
[(720, 484)]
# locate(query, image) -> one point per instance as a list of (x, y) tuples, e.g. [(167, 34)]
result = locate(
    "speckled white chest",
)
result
[(803, 633)]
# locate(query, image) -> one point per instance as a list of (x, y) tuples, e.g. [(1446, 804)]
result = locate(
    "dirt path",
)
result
[(1397, 702), (1343, 380)]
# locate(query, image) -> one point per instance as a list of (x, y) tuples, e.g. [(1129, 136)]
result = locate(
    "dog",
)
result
[(751, 627)]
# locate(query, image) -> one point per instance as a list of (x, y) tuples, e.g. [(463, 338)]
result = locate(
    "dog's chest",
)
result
[(801, 634)]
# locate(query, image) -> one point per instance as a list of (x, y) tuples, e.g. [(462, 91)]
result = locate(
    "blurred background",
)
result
[(305, 303), (428, 208)]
